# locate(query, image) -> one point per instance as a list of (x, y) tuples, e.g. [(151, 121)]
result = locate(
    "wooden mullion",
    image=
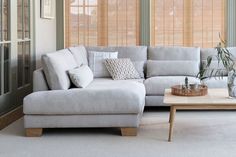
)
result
[(2, 50), (2, 69), (138, 40), (23, 63), (88, 29), (84, 22), (67, 23), (23, 19), (116, 22), (2, 18), (153, 22)]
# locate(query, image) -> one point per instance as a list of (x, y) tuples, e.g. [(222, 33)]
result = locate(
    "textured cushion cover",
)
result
[(96, 62), (157, 85), (80, 54), (82, 76), (55, 66), (121, 69), (174, 53), (104, 96), (172, 68), (137, 54)]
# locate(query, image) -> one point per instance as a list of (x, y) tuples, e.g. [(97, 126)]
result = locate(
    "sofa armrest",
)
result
[(39, 81)]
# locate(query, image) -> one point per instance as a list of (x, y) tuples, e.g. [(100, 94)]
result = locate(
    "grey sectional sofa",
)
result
[(109, 103)]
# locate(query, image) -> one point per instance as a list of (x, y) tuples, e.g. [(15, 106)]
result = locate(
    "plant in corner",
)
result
[(225, 65)]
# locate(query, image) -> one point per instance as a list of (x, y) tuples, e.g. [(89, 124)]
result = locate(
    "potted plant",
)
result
[(224, 59)]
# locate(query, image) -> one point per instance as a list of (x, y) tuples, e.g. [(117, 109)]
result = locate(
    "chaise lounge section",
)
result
[(104, 103)]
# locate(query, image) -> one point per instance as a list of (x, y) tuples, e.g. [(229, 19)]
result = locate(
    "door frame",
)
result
[(14, 98)]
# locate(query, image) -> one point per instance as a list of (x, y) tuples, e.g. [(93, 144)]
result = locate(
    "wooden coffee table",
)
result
[(216, 99)]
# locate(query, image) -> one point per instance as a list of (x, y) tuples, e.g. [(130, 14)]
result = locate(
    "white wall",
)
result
[(45, 34)]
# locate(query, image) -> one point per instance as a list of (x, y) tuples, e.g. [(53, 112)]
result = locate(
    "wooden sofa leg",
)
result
[(129, 131), (34, 132)]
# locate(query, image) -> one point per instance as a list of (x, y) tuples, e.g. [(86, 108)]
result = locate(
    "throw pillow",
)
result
[(55, 66), (121, 69), (81, 77), (96, 62)]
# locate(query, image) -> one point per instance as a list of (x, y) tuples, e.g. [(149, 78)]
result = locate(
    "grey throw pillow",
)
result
[(121, 69), (81, 77), (55, 66)]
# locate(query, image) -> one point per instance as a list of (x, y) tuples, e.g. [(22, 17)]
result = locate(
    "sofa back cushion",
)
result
[(97, 62), (174, 53), (206, 52), (175, 61), (137, 54), (55, 66), (172, 68), (80, 54)]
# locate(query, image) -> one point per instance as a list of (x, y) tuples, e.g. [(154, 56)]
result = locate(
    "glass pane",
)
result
[(5, 19), (6, 67), (19, 19), (27, 62), (27, 18), (90, 2), (1, 20), (20, 64)]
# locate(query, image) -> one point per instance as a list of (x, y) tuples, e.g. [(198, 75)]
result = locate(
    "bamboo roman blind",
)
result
[(101, 22), (187, 22)]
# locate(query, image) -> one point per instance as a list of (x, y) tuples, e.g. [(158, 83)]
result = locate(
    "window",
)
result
[(23, 33), (5, 44), (102, 22), (187, 22)]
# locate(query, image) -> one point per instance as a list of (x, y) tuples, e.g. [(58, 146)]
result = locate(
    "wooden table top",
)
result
[(214, 97)]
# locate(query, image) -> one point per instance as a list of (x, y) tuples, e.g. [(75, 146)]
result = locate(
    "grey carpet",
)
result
[(196, 134)]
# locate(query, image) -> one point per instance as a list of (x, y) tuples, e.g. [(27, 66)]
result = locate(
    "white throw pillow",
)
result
[(96, 62), (55, 66), (81, 77), (121, 69)]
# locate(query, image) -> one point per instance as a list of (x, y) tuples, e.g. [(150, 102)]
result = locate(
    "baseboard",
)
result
[(10, 117)]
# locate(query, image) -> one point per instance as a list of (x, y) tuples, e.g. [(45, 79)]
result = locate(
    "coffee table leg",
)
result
[(170, 115), (172, 118)]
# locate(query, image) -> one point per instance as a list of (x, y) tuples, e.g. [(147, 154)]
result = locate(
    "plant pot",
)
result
[(232, 84)]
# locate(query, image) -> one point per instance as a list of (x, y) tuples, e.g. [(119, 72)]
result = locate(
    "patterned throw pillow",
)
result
[(121, 69)]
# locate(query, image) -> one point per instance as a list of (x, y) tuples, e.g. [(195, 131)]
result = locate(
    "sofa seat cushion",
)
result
[(102, 96), (216, 82), (157, 85)]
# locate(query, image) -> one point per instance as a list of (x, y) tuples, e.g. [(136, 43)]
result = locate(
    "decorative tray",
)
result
[(191, 90)]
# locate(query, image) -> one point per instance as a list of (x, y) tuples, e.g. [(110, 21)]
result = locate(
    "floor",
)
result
[(196, 134)]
